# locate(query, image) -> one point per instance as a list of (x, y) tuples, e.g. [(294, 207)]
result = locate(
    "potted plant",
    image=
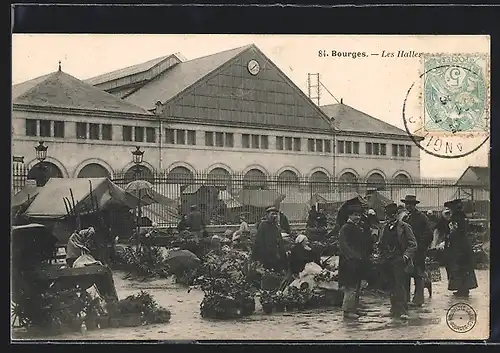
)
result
[(266, 300)]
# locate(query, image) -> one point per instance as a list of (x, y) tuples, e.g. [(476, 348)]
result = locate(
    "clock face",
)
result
[(253, 67)]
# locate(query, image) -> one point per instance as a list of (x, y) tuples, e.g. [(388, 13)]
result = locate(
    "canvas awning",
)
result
[(26, 194), (49, 201), (228, 199), (161, 214), (259, 198)]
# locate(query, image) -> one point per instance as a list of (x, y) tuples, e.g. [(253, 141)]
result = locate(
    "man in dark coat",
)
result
[(311, 217), (195, 222), (269, 248), (397, 246), (284, 224), (321, 220), (352, 258), (459, 253), (422, 232)]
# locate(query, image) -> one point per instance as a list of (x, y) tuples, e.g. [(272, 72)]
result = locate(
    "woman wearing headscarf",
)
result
[(458, 252), (301, 254), (78, 244)]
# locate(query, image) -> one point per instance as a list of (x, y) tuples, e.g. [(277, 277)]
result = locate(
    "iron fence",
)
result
[(224, 197)]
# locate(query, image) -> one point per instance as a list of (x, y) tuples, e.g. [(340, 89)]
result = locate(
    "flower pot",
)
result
[(103, 321), (267, 308), (91, 323), (279, 307), (248, 307), (114, 322)]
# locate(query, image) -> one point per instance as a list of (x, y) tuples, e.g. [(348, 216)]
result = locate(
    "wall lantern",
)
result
[(41, 151), (137, 155)]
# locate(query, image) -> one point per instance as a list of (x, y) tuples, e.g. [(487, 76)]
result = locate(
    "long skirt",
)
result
[(460, 270)]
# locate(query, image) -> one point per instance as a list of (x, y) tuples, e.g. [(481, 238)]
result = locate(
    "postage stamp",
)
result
[(450, 98), (455, 93)]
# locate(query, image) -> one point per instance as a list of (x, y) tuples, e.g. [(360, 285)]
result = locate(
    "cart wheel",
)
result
[(17, 320)]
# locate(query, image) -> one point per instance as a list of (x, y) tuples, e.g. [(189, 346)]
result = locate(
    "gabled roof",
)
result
[(353, 120), (482, 174), (180, 77), (127, 71), (61, 90)]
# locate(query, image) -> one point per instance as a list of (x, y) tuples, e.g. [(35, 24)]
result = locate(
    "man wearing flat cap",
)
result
[(458, 251), (397, 246), (421, 229), (269, 248), (352, 259)]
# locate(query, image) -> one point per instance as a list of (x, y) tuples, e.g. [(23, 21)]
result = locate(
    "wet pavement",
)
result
[(426, 323)]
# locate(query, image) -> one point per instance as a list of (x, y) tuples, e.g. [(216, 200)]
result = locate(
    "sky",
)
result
[(376, 85)]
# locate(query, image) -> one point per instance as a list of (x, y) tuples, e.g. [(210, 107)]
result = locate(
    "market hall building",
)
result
[(233, 112)]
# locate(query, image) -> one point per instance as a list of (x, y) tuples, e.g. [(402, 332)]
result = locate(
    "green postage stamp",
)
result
[(455, 93)]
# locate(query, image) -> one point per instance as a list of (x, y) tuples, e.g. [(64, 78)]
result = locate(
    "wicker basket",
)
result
[(433, 271)]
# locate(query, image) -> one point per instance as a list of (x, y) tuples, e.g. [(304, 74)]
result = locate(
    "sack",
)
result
[(85, 260)]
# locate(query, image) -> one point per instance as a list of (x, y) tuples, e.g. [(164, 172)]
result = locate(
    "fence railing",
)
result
[(222, 198)]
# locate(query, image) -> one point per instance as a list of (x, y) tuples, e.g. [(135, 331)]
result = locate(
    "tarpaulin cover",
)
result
[(228, 199), (143, 191), (259, 198), (161, 214), (377, 202), (49, 201), (26, 194)]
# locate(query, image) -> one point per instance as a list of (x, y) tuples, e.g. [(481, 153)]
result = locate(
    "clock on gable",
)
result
[(253, 67)]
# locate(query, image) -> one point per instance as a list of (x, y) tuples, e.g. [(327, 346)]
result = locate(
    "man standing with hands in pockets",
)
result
[(421, 229), (397, 246)]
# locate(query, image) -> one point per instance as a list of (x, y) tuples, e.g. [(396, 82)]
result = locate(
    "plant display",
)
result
[(297, 299), (272, 300), (228, 293), (326, 276), (58, 310), (142, 304), (146, 262)]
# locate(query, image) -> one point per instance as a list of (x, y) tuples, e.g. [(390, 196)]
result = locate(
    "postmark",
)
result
[(461, 318), (446, 109)]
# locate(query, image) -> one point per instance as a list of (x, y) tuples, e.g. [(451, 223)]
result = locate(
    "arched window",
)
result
[(320, 182), (43, 171), (93, 170), (138, 172), (219, 177), (402, 179), (180, 175), (376, 180), (288, 178), (348, 182), (254, 179)]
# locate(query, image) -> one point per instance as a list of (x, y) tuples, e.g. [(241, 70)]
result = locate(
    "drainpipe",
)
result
[(158, 112)]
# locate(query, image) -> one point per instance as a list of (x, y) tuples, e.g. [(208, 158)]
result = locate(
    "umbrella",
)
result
[(142, 190), (180, 260), (342, 214)]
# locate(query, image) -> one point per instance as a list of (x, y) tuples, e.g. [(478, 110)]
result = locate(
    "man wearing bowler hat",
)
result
[(397, 246), (421, 229)]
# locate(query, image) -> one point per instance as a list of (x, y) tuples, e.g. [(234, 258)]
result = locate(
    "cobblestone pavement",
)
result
[(427, 323)]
